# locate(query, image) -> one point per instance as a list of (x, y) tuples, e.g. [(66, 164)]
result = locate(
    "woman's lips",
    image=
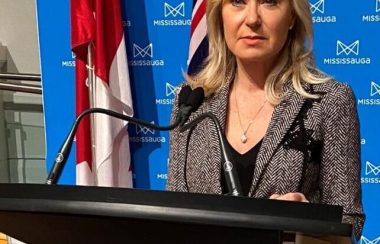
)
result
[(252, 40)]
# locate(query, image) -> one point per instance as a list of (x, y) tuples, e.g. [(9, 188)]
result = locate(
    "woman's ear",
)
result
[(293, 22)]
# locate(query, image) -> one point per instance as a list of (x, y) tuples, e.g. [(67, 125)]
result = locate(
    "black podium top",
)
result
[(188, 208)]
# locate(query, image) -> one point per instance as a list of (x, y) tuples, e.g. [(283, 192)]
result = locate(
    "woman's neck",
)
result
[(251, 76)]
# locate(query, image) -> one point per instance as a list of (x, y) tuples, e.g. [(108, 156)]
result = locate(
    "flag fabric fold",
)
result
[(102, 155), (198, 48)]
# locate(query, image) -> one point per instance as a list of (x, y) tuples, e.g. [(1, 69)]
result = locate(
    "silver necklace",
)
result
[(243, 137)]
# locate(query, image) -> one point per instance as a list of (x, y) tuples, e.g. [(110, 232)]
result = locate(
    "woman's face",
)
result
[(256, 30)]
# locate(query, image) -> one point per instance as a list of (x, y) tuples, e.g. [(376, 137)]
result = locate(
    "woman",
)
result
[(293, 130)]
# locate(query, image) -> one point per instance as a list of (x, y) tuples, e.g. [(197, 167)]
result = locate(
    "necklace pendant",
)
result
[(243, 138)]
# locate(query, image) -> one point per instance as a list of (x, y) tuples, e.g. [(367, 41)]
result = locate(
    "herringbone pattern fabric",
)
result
[(311, 146)]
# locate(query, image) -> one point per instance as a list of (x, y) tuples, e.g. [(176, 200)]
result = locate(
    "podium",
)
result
[(74, 214)]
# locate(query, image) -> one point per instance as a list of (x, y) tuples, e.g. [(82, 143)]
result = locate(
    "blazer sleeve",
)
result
[(176, 172), (340, 167)]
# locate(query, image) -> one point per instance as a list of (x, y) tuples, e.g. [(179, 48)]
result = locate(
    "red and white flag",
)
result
[(98, 23)]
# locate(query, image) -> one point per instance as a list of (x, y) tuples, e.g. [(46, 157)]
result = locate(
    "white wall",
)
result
[(18, 31), (22, 128)]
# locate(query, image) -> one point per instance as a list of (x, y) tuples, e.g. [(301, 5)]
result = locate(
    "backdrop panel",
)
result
[(157, 37)]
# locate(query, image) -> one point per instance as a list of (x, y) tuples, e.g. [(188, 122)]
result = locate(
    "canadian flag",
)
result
[(102, 155)]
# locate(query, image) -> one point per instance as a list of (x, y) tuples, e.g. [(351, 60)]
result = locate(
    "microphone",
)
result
[(194, 100), (230, 173), (183, 95), (187, 102)]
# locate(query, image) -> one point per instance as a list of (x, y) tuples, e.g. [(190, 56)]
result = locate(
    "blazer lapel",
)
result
[(283, 116), (219, 104), (218, 107)]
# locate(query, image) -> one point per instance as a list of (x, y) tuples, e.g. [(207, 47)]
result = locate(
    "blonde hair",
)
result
[(295, 61)]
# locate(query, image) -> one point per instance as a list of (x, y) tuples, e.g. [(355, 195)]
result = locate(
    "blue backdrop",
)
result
[(157, 37)]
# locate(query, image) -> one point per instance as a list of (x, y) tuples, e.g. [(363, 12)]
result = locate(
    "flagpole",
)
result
[(92, 93)]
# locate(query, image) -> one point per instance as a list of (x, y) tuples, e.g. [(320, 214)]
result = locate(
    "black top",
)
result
[(245, 165)]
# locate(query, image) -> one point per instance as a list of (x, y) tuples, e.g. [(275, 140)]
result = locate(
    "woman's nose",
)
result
[(252, 18)]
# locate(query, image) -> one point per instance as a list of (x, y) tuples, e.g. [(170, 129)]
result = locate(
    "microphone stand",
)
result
[(64, 151), (233, 183)]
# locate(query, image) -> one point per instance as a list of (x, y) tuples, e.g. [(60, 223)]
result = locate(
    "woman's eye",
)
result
[(237, 2), (270, 2)]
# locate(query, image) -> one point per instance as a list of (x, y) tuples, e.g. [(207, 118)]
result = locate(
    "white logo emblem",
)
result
[(347, 49), (142, 52), (174, 11), (318, 6), (364, 240), (144, 130), (375, 89), (371, 169), (171, 90), (377, 6)]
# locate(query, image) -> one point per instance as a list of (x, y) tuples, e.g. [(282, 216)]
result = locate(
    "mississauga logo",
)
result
[(146, 135), (144, 130), (170, 92), (163, 176), (371, 173), (352, 48), (71, 62), (179, 10), (374, 95), (375, 89), (143, 56), (365, 240), (173, 15), (347, 53), (317, 8), (143, 51), (375, 15)]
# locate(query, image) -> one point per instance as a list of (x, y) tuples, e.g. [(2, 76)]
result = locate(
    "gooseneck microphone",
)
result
[(230, 173), (183, 95), (194, 100), (187, 101)]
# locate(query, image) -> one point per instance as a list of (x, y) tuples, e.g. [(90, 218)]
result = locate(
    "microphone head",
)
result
[(184, 95), (196, 98)]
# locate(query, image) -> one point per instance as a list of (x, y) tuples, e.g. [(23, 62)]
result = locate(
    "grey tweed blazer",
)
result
[(311, 146)]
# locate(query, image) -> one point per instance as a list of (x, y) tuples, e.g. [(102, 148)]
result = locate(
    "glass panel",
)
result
[(27, 171), (23, 147)]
